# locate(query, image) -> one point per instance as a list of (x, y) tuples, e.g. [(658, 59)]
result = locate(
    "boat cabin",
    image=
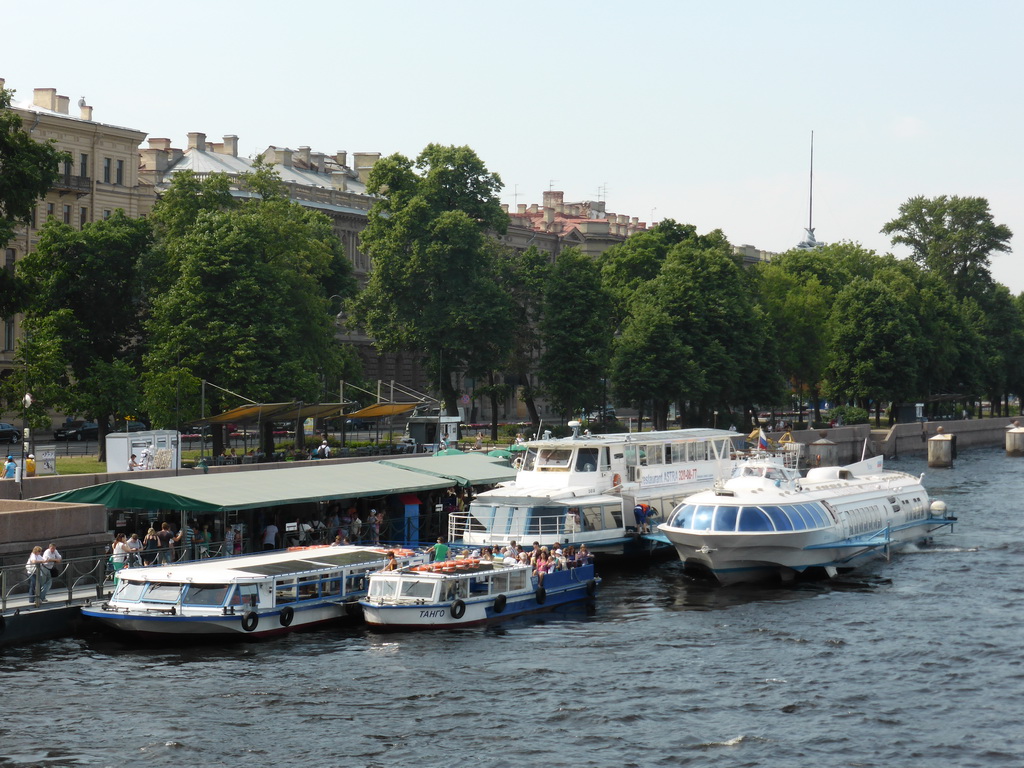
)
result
[(444, 582)]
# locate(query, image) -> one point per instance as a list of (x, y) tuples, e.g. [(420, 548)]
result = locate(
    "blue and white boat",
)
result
[(247, 597), (768, 523), (457, 593), (584, 489)]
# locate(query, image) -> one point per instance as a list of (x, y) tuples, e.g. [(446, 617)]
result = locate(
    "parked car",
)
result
[(9, 433), (61, 432), (132, 426), (85, 430)]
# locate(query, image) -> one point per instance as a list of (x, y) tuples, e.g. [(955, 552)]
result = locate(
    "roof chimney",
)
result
[(85, 112), (231, 145), (197, 141), (45, 98), (341, 157), (156, 143), (282, 156), (303, 155), (364, 161), (63, 102)]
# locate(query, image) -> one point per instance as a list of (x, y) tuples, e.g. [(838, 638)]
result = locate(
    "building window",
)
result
[(9, 334), (33, 222), (9, 259), (67, 167), (67, 214), (83, 165), (120, 172), (106, 215), (49, 210), (83, 217), (106, 170)]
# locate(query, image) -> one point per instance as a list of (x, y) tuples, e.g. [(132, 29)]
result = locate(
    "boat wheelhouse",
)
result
[(251, 596), (769, 523), (459, 593), (584, 489)]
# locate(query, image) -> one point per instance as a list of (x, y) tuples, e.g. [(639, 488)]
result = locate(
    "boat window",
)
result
[(129, 591), (163, 593), (417, 588), (653, 454), (702, 517), (530, 460), (605, 461), (455, 588), (206, 594), (286, 592), (682, 516), (586, 460), (545, 521), (779, 518), (245, 594), (632, 455), (332, 585), (802, 519), (753, 519), (554, 459), (383, 587), (725, 518)]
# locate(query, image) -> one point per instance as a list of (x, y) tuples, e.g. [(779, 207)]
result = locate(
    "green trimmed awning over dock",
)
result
[(225, 491)]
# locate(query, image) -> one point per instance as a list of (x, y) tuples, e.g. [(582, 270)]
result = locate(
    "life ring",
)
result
[(616, 480), (458, 609), (499, 603), (591, 588), (287, 614), (250, 620), (541, 594)]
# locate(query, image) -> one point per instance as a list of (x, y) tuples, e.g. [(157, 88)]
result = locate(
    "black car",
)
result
[(82, 430), (9, 433)]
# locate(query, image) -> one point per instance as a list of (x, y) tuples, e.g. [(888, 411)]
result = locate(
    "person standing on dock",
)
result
[(32, 568)]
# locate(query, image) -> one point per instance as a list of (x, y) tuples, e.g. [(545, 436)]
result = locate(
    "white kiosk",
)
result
[(155, 449)]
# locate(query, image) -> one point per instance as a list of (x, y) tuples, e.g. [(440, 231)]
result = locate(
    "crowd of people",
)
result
[(43, 567)]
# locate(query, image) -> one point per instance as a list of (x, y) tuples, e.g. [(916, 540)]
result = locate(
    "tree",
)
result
[(82, 317), (576, 333), (248, 307), (953, 237), (432, 289), (28, 169)]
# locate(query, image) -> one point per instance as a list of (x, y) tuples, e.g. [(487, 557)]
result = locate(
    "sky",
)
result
[(700, 112)]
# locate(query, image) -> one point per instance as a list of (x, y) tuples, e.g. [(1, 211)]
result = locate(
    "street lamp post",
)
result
[(26, 434)]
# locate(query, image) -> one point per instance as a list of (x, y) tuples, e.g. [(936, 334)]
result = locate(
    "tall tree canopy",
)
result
[(82, 317), (953, 237), (433, 289), (246, 304), (28, 169)]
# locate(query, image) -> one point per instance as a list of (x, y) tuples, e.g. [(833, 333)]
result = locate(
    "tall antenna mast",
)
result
[(810, 195)]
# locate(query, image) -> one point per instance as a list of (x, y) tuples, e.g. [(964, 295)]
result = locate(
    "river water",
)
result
[(909, 663)]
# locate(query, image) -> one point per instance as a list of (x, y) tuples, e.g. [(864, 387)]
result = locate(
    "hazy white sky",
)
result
[(698, 111)]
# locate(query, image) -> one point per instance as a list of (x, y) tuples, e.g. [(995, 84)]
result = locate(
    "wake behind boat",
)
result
[(767, 522), (253, 596), (605, 491)]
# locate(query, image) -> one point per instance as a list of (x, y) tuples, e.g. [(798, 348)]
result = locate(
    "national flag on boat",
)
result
[(762, 441)]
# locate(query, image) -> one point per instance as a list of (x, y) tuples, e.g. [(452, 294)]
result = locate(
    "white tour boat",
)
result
[(767, 522), (458, 593), (583, 490), (252, 596)]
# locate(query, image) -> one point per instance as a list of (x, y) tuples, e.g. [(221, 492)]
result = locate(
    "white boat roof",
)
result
[(641, 438), (223, 570)]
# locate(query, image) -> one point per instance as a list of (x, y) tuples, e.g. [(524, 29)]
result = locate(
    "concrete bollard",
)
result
[(822, 452), (941, 449), (1015, 440)]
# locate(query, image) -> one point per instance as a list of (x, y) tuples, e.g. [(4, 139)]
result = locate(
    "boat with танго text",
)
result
[(247, 597), (459, 593), (605, 491), (767, 522)]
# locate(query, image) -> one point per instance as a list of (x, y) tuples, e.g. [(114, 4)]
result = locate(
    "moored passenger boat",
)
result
[(458, 593), (252, 596), (584, 489), (769, 523)]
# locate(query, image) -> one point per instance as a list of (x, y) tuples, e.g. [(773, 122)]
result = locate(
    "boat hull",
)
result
[(268, 623)]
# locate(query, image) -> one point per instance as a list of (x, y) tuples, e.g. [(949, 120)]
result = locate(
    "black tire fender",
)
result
[(250, 620), (500, 602), (541, 594), (458, 609), (287, 614)]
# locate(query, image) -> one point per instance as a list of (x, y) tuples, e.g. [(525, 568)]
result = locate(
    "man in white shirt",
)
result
[(270, 537), (51, 567)]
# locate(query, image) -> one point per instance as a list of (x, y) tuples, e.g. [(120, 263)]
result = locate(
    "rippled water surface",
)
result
[(914, 662)]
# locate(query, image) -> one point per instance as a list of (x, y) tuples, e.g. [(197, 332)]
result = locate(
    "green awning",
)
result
[(265, 487), (464, 469)]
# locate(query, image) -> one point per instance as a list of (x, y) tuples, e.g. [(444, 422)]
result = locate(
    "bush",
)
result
[(850, 414)]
